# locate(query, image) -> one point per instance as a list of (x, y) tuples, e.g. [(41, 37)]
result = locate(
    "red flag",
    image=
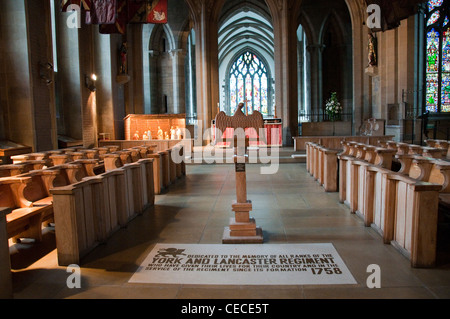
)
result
[(157, 11), (102, 12)]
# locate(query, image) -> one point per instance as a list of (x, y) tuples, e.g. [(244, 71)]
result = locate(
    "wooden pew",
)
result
[(125, 156), (43, 156), (135, 154), (11, 170), (330, 170), (6, 291), (178, 153), (172, 167), (25, 220), (133, 190), (89, 166), (20, 168), (112, 161), (75, 220), (165, 169), (403, 211), (412, 218), (58, 159), (157, 172), (148, 185), (432, 152), (87, 213), (351, 176)]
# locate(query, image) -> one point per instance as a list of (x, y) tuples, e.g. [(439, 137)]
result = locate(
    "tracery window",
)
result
[(249, 82), (438, 56)]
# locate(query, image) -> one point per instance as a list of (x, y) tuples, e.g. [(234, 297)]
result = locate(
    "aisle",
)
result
[(290, 207)]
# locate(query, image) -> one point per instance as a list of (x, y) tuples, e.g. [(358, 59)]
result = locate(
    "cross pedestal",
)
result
[(242, 228)]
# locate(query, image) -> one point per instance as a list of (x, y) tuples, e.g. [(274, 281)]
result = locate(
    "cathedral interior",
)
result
[(322, 77)]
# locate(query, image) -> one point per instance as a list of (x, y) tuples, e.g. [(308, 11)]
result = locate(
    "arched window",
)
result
[(438, 56), (249, 83)]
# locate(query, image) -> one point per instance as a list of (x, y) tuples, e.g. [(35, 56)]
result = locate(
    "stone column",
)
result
[(178, 58), (315, 51), (153, 95), (27, 75), (206, 14), (285, 17)]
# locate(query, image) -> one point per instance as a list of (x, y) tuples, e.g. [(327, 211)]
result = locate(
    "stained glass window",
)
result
[(438, 56), (249, 84)]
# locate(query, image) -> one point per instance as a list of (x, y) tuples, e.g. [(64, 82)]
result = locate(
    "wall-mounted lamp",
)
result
[(44, 72), (90, 82)]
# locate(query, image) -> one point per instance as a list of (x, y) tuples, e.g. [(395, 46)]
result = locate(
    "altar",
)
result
[(273, 130)]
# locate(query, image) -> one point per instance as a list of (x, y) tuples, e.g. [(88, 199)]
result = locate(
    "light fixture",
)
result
[(90, 82)]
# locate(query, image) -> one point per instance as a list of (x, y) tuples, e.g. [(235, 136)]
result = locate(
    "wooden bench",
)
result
[(112, 161), (6, 291), (87, 213), (76, 210), (25, 219), (172, 166), (21, 167), (165, 177), (157, 172), (351, 166), (402, 210)]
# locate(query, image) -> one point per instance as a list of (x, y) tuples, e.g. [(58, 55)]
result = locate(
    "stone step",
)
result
[(220, 155)]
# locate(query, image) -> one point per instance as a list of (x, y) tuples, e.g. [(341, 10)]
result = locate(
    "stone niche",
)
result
[(145, 122)]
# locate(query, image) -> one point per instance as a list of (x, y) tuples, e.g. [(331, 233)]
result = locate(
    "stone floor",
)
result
[(289, 206)]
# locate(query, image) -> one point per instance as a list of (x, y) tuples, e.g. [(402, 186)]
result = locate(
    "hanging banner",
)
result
[(157, 11), (120, 25), (102, 12), (84, 4), (137, 11)]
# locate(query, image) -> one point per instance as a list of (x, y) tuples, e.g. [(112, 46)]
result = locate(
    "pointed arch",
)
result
[(333, 22), (305, 21), (248, 78)]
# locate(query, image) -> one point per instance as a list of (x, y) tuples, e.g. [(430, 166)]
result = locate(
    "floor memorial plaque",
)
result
[(254, 264)]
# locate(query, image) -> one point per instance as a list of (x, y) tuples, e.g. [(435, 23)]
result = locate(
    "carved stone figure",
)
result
[(372, 46)]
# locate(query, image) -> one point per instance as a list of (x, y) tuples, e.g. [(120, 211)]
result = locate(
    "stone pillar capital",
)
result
[(154, 53), (177, 52)]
